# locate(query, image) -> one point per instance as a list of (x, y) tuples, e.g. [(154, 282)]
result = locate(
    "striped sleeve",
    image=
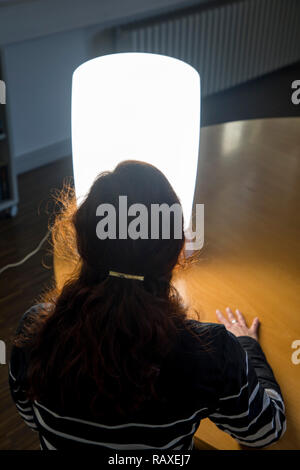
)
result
[(250, 407), (18, 393), (17, 371)]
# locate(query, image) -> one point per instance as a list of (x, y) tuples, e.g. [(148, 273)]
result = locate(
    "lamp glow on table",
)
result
[(137, 106)]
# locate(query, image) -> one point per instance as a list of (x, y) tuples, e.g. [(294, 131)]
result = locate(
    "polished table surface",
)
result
[(249, 181)]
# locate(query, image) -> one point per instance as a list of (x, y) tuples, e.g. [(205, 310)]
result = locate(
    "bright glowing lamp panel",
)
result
[(137, 106)]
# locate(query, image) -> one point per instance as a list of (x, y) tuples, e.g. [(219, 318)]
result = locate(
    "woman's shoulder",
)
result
[(195, 363), (214, 332), (19, 355), (205, 326), (29, 317), (200, 340)]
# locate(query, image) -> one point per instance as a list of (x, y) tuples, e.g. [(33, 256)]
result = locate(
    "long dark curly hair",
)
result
[(109, 333)]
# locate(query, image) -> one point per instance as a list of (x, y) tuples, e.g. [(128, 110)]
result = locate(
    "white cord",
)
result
[(27, 256)]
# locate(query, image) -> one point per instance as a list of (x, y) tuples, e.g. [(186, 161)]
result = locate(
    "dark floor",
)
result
[(21, 285), (269, 96)]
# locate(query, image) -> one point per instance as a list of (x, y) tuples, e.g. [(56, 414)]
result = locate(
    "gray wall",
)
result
[(33, 18), (38, 77), (40, 53)]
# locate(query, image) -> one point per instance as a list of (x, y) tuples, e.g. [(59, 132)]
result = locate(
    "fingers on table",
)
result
[(222, 319), (240, 317), (255, 325), (230, 315)]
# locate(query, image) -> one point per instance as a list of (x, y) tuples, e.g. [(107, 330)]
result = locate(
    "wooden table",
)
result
[(249, 180)]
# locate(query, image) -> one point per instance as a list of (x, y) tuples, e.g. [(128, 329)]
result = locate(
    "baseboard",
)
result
[(43, 156)]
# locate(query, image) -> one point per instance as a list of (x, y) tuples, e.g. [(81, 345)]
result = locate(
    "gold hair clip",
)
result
[(126, 276)]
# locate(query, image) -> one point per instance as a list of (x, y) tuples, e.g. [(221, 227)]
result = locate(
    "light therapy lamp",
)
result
[(137, 106)]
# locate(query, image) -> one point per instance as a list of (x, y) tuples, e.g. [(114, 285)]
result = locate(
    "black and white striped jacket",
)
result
[(223, 378)]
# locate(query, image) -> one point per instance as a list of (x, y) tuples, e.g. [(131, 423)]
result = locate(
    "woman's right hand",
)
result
[(237, 325)]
